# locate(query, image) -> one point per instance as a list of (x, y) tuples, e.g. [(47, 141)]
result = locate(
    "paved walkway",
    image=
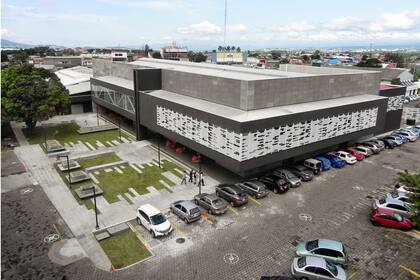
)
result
[(17, 130)]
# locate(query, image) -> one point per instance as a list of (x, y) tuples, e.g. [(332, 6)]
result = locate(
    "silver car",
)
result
[(316, 268), (379, 143), (186, 210), (404, 197), (393, 204), (289, 177)]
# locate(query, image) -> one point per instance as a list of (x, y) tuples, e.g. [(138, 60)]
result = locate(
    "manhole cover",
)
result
[(51, 238), (231, 258), (27, 190), (180, 240), (305, 217)]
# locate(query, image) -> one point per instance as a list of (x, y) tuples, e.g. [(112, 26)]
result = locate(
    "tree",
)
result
[(412, 181), (233, 48), (238, 49), (370, 62), (393, 57), (156, 55), (228, 48), (31, 95), (196, 57), (220, 48)]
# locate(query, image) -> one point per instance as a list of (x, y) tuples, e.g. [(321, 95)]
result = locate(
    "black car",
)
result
[(302, 172), (232, 194), (275, 183), (389, 143), (254, 188)]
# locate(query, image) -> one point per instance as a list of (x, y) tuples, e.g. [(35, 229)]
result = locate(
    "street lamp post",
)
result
[(199, 173), (97, 114), (68, 166), (96, 211)]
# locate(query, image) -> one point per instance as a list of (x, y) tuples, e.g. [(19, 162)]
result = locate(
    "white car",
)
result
[(395, 205), (153, 220), (364, 150), (409, 134), (347, 157)]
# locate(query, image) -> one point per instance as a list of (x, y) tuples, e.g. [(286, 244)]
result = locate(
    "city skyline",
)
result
[(200, 24)]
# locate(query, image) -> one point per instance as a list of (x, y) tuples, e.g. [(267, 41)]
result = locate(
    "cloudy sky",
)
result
[(198, 24)]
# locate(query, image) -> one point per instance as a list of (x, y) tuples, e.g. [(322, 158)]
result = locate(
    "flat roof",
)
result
[(120, 82), (74, 75), (246, 116), (243, 73), (79, 88)]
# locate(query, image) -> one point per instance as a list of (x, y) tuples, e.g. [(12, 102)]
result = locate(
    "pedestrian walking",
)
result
[(201, 178), (190, 180), (184, 178), (195, 177)]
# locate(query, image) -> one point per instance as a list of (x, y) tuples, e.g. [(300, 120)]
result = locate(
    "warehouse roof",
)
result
[(120, 82)]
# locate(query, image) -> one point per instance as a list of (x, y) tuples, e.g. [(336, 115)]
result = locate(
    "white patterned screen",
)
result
[(255, 144), (395, 103)]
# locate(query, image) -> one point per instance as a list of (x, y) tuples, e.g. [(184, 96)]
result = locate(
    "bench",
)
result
[(97, 128)]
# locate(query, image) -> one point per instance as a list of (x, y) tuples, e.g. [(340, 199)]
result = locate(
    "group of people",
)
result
[(197, 178)]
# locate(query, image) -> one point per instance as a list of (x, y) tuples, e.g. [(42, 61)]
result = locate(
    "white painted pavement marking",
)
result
[(71, 144), (133, 191), (109, 144), (125, 140), (122, 166), (118, 170), (152, 189), (121, 198), (94, 178), (135, 168), (90, 146), (115, 142), (392, 168), (180, 172), (96, 172), (150, 164), (99, 144), (108, 169), (129, 197)]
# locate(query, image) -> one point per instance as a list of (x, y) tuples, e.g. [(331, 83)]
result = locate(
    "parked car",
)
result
[(210, 202), (364, 150), (396, 139), (325, 163), (314, 165), (232, 194), (330, 250), (374, 147), (275, 183), (399, 187), (414, 129), (336, 162), (291, 178), (314, 268), (347, 157), (409, 135), (404, 197), (186, 210), (379, 143), (402, 138), (153, 220), (409, 131), (254, 188), (388, 218), (389, 143), (358, 155), (395, 205), (302, 172)]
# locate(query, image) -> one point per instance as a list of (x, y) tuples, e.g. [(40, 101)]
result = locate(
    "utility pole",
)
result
[(96, 210), (68, 166)]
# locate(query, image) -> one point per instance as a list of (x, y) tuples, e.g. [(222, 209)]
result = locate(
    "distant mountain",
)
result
[(10, 44)]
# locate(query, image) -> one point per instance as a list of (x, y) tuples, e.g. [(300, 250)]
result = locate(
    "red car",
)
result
[(387, 218), (359, 156)]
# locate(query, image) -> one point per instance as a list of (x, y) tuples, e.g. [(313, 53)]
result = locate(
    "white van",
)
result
[(313, 164)]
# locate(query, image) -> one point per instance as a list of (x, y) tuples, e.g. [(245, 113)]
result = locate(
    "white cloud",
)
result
[(344, 23), (396, 21), (4, 32), (298, 26), (157, 5), (204, 27), (237, 28)]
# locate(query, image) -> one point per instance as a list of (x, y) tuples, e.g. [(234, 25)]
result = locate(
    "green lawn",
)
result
[(66, 133), (85, 163), (124, 249), (170, 166), (114, 183)]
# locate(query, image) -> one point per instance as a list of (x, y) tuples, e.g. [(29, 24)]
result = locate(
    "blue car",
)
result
[(326, 165), (401, 137), (336, 162)]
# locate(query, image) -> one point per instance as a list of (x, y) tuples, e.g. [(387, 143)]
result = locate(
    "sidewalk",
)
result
[(17, 130)]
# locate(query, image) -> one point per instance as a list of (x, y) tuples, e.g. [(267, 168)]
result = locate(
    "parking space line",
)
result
[(177, 229), (396, 240), (57, 231), (233, 210), (353, 274), (254, 201), (139, 236), (412, 272)]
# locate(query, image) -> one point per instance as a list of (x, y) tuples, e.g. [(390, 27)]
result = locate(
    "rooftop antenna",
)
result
[(224, 34)]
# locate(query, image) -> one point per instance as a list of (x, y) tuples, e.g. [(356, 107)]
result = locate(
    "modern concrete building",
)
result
[(247, 120), (61, 62), (228, 57), (174, 53)]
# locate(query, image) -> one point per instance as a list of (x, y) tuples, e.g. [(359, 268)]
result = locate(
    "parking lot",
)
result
[(258, 238)]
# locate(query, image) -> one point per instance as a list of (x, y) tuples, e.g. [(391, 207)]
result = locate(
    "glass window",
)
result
[(157, 219), (311, 269), (331, 267), (311, 245), (301, 262), (323, 272)]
